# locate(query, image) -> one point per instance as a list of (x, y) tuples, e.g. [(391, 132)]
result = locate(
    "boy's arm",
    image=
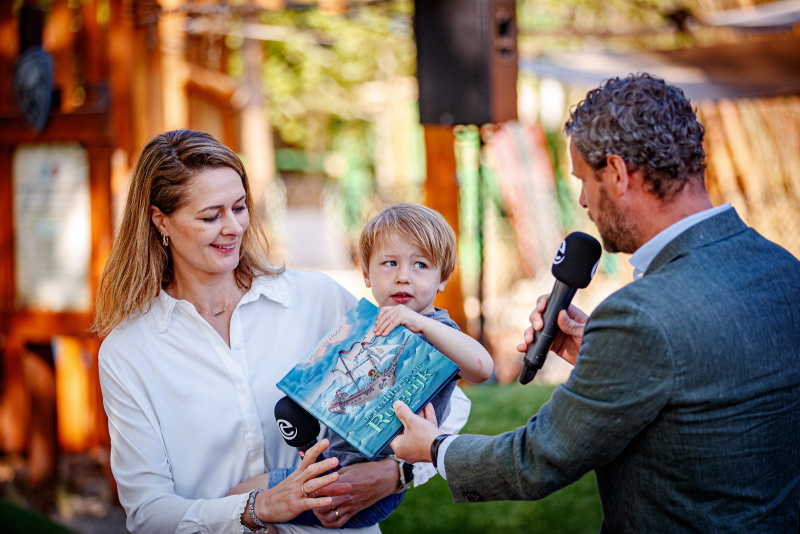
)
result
[(475, 363)]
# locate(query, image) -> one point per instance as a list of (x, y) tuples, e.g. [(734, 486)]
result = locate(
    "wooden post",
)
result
[(257, 143), (441, 194)]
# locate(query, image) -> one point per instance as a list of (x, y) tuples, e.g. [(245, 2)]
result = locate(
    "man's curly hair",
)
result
[(647, 122)]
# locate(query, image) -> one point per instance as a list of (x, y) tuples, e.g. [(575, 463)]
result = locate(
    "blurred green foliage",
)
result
[(314, 77), (589, 15), (317, 71)]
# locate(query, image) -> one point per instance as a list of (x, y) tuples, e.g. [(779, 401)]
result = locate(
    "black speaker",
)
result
[(466, 60)]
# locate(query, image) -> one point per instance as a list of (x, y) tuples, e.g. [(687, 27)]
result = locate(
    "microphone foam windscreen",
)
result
[(297, 426), (577, 259)]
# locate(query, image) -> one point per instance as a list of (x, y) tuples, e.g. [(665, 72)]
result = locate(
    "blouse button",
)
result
[(238, 346)]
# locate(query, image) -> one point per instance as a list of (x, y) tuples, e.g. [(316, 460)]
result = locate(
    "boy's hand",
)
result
[(391, 316)]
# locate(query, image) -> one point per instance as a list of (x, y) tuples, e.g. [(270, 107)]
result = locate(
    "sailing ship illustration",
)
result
[(365, 373)]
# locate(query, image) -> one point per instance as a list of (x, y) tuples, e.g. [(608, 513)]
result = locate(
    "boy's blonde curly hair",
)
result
[(417, 224)]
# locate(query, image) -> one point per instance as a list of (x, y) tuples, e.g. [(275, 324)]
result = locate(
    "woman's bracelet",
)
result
[(251, 501)]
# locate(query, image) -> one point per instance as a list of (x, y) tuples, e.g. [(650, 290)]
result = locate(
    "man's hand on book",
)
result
[(414, 443)]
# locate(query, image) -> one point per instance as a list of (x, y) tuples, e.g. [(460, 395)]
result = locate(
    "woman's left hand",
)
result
[(304, 489), (369, 482)]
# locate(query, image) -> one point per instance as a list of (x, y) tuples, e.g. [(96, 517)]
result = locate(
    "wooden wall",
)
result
[(107, 99)]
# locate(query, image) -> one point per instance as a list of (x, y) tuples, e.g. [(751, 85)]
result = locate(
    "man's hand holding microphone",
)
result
[(571, 322)]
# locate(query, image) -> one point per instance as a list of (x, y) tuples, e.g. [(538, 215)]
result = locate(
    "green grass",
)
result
[(496, 409)]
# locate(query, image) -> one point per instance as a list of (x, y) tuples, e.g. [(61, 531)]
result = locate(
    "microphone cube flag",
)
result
[(577, 259), (298, 427)]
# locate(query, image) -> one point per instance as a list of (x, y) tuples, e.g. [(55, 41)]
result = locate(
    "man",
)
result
[(685, 394)]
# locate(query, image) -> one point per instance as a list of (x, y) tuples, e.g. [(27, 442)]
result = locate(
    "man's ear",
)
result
[(366, 280), (616, 175), (158, 218)]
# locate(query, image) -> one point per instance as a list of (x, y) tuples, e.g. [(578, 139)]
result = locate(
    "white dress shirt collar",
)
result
[(271, 287), (644, 255)]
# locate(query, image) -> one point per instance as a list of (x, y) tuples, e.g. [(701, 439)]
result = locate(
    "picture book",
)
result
[(350, 380)]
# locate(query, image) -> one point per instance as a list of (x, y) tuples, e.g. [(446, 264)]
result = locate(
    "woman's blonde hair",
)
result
[(139, 266), (417, 224)]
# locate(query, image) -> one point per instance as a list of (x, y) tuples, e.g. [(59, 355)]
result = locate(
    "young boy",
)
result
[(408, 252)]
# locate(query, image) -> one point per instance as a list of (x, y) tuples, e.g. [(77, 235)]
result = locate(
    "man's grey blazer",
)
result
[(685, 398)]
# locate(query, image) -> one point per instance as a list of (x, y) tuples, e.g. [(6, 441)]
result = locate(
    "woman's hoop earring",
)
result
[(165, 240)]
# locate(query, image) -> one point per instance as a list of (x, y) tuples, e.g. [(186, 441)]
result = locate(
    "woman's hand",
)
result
[(302, 489), (368, 482), (571, 322)]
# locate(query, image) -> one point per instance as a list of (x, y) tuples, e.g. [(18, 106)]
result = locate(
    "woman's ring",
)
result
[(303, 489), (335, 511)]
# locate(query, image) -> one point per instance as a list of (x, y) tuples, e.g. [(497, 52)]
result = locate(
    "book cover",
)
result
[(350, 380)]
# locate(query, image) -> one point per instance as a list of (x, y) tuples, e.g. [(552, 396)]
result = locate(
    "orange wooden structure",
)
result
[(105, 102)]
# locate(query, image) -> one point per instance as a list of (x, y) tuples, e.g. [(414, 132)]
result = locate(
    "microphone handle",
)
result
[(560, 298)]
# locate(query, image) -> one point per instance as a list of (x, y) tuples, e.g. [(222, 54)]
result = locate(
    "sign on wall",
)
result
[(52, 225)]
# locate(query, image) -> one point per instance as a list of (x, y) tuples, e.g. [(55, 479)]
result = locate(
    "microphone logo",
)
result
[(562, 250), (288, 431)]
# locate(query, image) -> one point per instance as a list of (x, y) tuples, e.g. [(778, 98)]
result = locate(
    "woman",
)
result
[(200, 327)]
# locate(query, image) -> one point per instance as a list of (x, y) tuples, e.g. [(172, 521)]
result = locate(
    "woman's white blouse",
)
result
[(190, 417)]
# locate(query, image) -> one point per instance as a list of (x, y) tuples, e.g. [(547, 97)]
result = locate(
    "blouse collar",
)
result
[(270, 287)]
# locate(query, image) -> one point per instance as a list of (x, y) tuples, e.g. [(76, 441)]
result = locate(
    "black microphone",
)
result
[(298, 427), (574, 266)]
